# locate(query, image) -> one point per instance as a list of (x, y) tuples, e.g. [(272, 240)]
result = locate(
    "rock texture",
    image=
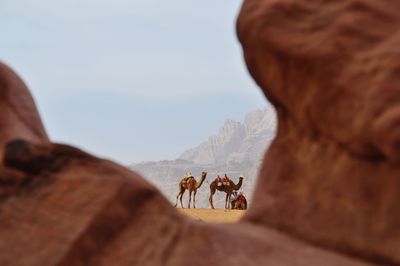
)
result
[(62, 206), (329, 184), (331, 176), (18, 114), (236, 150), (236, 142), (18, 119), (217, 148)]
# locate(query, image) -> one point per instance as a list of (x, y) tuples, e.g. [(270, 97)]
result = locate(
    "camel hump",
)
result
[(223, 181), (187, 177)]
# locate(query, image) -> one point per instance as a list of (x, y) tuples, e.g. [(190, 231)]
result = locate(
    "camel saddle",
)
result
[(222, 181)]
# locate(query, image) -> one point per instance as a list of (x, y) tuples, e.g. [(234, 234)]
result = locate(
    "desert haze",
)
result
[(236, 150)]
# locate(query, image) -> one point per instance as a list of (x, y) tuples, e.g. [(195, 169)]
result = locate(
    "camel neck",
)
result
[(198, 184), (239, 184)]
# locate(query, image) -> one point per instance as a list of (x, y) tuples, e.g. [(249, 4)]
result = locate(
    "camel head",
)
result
[(239, 184)]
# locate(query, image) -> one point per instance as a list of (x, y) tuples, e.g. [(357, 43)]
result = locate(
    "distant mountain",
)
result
[(236, 150)]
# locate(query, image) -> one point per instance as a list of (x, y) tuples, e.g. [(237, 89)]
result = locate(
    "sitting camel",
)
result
[(192, 185), (228, 189), (239, 203)]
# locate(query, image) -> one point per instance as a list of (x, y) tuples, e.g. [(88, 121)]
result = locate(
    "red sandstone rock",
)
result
[(331, 176), (18, 115), (18, 119), (61, 206), (329, 179), (74, 209)]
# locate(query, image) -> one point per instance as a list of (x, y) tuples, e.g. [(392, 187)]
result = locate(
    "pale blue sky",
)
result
[(129, 80)]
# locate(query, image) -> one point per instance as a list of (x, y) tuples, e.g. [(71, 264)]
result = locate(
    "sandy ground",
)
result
[(217, 215)]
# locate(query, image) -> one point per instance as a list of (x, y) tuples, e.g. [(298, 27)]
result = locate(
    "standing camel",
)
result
[(192, 185), (224, 188)]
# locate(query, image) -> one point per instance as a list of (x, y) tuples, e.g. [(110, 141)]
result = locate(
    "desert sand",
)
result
[(215, 216)]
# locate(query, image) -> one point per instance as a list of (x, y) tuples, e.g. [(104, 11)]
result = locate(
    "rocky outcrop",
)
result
[(331, 176), (236, 150), (18, 119), (329, 182), (218, 147), (18, 114), (62, 206), (236, 141), (260, 127)]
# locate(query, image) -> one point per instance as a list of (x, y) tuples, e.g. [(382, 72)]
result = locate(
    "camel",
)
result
[(227, 189), (239, 203), (192, 185)]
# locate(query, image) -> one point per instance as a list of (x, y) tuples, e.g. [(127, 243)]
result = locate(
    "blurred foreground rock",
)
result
[(331, 176), (329, 184)]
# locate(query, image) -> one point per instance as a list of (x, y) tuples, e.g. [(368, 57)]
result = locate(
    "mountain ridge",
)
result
[(236, 149)]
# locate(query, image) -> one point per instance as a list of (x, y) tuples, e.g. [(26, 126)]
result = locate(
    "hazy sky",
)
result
[(129, 80)]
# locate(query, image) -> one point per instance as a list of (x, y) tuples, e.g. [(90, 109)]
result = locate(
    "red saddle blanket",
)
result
[(241, 197), (222, 181)]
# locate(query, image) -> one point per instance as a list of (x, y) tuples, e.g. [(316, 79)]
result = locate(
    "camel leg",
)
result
[(181, 198), (181, 190), (190, 198), (194, 199), (227, 201), (212, 192), (211, 201)]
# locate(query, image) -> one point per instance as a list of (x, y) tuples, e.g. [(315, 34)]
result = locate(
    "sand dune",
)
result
[(216, 216)]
